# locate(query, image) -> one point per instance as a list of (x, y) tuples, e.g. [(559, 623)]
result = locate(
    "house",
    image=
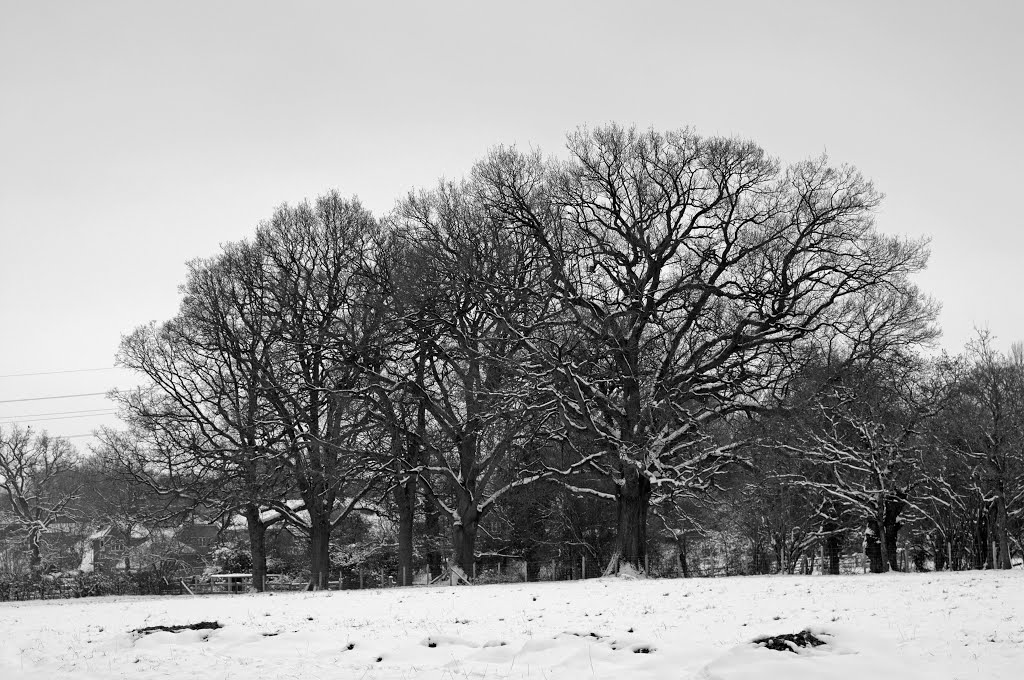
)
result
[(189, 546)]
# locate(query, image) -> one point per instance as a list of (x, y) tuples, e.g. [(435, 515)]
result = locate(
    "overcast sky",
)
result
[(137, 135)]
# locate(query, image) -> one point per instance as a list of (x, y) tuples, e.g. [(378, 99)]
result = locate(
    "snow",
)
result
[(239, 522), (962, 625)]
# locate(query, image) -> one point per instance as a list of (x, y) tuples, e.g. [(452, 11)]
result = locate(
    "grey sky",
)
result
[(137, 135)]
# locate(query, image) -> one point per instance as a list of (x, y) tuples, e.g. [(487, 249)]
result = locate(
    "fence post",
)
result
[(360, 577), (382, 577), (583, 567)]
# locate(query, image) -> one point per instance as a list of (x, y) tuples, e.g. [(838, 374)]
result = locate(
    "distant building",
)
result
[(189, 546)]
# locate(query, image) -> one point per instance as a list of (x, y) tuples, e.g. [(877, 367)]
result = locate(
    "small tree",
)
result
[(864, 440), (38, 484), (987, 431)]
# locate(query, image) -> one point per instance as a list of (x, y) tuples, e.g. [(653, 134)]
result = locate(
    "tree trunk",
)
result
[(941, 552), (319, 552), (405, 498), (35, 554), (991, 547), (780, 552), (880, 539), (684, 566), (832, 548), (257, 546), (633, 498), (432, 531), (465, 527), (891, 531), (464, 541), (883, 545), (982, 556), (407, 484), (892, 509), (874, 547), (1001, 535)]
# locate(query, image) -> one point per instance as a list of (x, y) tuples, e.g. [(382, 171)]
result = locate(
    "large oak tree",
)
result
[(690, 272)]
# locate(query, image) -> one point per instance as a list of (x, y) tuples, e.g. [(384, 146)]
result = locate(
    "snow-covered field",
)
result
[(908, 626)]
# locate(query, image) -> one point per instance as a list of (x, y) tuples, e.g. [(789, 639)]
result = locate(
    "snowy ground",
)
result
[(908, 626)]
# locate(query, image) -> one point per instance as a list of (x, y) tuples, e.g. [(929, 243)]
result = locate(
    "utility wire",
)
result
[(73, 370), (35, 420), (54, 413), (71, 436), (59, 396)]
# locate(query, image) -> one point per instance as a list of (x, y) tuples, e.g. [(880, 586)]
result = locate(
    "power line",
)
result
[(73, 370), (59, 396), (54, 413), (71, 436), (35, 420)]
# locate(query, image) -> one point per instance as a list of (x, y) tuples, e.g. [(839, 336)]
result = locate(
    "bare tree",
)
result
[(866, 441), (468, 280), (690, 272), (37, 479), (327, 323), (990, 418), (201, 432)]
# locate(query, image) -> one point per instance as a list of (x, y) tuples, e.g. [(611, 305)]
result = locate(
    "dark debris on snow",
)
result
[(788, 642)]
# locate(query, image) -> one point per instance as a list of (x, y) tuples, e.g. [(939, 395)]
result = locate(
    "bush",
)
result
[(78, 584), (493, 576), (233, 560)]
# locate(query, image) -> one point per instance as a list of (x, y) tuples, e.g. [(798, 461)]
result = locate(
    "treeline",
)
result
[(906, 456), (657, 335)]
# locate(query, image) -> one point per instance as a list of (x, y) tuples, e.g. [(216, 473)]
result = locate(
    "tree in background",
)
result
[(865, 439), (987, 431), (113, 497), (38, 485)]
